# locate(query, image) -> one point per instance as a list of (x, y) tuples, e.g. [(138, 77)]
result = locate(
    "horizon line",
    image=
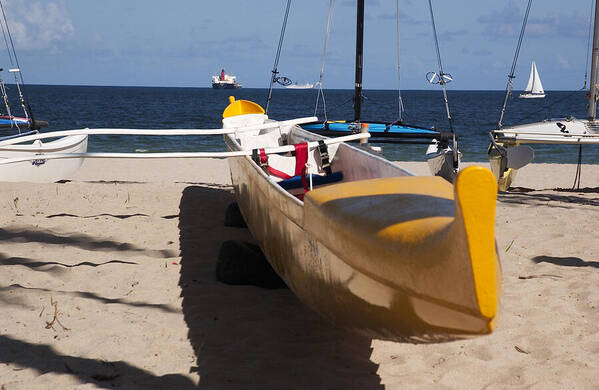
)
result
[(282, 88)]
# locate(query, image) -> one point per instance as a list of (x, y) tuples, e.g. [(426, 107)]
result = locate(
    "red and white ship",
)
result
[(225, 81)]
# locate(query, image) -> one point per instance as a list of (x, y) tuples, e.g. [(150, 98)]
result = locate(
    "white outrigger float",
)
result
[(39, 168), (506, 152), (357, 238)]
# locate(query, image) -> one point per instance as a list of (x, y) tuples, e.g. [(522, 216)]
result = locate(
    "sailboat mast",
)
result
[(594, 67), (359, 60)]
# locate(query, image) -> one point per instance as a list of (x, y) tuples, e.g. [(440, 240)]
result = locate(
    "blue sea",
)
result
[(474, 114)]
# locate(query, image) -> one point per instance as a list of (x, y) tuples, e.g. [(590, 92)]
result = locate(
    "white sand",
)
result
[(127, 249)]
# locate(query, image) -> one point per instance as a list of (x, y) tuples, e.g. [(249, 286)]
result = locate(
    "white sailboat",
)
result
[(506, 152), (534, 88)]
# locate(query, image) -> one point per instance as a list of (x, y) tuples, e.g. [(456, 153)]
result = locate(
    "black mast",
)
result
[(359, 61)]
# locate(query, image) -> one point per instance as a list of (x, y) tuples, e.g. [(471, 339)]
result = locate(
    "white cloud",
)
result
[(507, 22), (563, 62), (37, 25)]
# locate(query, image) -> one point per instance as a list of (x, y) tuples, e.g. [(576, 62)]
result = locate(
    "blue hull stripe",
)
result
[(374, 128)]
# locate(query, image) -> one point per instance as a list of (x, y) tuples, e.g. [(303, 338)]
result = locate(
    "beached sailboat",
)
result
[(442, 153), (362, 241), (534, 87), (38, 169), (507, 153), (10, 121)]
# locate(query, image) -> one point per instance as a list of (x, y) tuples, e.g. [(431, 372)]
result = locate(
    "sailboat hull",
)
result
[(531, 96)]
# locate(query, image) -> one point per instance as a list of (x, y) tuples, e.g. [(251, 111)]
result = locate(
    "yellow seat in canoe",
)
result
[(241, 107)]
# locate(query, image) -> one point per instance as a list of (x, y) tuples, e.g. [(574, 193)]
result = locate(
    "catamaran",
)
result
[(507, 153), (442, 154)]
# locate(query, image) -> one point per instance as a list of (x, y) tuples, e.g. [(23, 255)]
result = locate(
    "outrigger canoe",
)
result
[(361, 240)]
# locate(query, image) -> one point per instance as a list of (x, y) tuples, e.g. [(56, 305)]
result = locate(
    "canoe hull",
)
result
[(346, 291)]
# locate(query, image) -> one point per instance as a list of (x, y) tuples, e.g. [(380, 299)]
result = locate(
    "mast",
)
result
[(594, 67), (359, 60)]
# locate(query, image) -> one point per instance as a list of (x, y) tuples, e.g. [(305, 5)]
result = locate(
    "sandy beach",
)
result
[(108, 281)]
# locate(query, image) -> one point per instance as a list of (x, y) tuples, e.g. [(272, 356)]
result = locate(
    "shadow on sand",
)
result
[(528, 196), (247, 337), (18, 354), (566, 261), (78, 240), (104, 374)]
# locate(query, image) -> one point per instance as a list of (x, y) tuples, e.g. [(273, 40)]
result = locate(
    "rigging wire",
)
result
[(586, 69), (400, 106), (18, 73), (6, 104), (576, 184), (443, 80), (443, 77), (275, 71), (511, 77), (549, 107), (6, 42), (324, 56)]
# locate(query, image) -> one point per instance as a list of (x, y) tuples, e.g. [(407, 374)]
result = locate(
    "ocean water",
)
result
[(474, 114)]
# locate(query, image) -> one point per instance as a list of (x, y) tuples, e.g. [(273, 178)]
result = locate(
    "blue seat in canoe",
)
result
[(296, 181)]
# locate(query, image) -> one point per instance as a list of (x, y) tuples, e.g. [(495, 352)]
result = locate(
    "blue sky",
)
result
[(183, 42)]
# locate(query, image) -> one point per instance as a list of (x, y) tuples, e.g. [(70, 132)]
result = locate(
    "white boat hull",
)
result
[(42, 170), (440, 161), (531, 96), (300, 86), (565, 131), (555, 131)]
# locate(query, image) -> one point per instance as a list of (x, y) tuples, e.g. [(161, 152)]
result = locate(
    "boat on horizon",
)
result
[(301, 86), (225, 81), (534, 88)]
